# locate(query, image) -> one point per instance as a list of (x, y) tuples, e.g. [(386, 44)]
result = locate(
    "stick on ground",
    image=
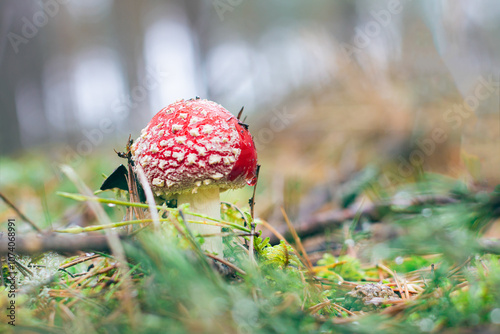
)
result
[(19, 213)]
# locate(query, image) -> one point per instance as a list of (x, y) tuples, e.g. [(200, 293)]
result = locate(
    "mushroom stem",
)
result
[(205, 201)]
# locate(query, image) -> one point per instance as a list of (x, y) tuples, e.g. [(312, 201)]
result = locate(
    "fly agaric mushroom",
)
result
[(194, 149)]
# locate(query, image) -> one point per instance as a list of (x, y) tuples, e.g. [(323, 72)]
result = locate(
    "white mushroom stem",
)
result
[(204, 201)]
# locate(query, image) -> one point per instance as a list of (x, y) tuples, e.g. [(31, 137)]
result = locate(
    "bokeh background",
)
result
[(331, 89)]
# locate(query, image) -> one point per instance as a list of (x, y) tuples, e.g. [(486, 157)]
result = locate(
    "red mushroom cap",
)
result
[(195, 143)]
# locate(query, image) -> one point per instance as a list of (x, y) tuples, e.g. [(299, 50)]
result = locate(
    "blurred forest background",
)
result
[(329, 87)]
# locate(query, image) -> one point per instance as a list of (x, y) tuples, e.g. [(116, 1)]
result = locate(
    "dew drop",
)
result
[(252, 181)]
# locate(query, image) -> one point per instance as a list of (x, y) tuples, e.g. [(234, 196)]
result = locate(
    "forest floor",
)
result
[(418, 256)]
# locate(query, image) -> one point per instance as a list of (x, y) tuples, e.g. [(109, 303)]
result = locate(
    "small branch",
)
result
[(457, 269), (35, 244), (252, 200), (275, 232), (93, 228), (282, 238), (19, 213), (252, 224), (225, 234), (321, 221), (134, 193), (297, 241), (229, 264), (79, 260), (489, 246)]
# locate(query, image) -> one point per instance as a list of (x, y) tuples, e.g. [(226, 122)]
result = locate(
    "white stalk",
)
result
[(207, 202)]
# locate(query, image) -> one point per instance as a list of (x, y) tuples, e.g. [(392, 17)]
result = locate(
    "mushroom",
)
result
[(195, 149)]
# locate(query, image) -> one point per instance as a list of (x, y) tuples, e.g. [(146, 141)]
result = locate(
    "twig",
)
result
[(317, 269), (225, 234), (489, 246), (33, 244), (67, 272), (316, 308), (229, 264), (297, 240), (23, 269), (321, 221), (281, 238), (275, 232), (93, 228), (407, 293), (252, 200), (252, 224), (79, 260), (457, 269), (344, 309), (131, 182), (132, 186), (19, 213)]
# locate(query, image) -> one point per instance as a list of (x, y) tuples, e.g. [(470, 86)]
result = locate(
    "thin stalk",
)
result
[(297, 240), (92, 228), (83, 198), (252, 224), (19, 213), (227, 263)]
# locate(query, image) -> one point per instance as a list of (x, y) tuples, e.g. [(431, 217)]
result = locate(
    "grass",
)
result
[(436, 260)]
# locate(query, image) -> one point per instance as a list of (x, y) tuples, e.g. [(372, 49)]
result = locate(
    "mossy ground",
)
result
[(438, 260)]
